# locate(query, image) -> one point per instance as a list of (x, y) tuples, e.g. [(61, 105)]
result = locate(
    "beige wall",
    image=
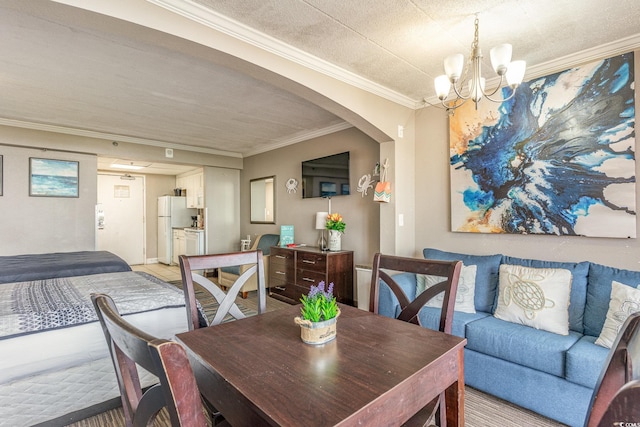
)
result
[(45, 224), (433, 211), (361, 214)]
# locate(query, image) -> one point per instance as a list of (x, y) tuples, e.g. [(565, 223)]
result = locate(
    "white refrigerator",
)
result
[(172, 213)]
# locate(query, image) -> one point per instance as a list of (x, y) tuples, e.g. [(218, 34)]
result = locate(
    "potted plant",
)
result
[(336, 226), (318, 315)]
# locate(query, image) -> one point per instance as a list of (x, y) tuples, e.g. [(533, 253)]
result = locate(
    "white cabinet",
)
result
[(194, 184), (179, 245)]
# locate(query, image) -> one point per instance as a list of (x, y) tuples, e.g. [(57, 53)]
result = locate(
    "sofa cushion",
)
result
[(585, 361), (486, 275), (536, 297), (579, 272), (464, 295), (430, 318), (625, 300), (533, 348), (599, 293)]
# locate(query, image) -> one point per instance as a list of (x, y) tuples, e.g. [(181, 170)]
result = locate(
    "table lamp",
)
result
[(321, 224)]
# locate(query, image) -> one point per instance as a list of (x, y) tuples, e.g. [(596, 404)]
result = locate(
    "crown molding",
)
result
[(301, 137), (237, 30)]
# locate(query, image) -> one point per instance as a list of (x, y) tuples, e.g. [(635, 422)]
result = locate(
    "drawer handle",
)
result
[(306, 279), (308, 261), (281, 256), (282, 273), (280, 288)]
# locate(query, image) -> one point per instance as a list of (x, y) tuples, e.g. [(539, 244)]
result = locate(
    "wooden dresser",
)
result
[(292, 271)]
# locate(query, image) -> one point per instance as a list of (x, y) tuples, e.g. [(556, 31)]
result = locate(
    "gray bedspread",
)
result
[(21, 268), (33, 306)]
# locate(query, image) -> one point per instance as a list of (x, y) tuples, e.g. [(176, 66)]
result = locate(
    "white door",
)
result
[(122, 230)]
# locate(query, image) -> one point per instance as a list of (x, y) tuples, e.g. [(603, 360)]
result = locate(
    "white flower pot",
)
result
[(335, 240)]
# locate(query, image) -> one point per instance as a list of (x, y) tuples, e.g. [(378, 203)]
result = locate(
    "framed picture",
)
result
[(328, 189), (344, 189), (1, 175), (53, 178)]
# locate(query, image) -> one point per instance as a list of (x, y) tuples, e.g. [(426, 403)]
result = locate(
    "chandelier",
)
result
[(512, 72)]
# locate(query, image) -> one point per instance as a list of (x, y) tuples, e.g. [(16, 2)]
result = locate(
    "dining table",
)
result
[(378, 371)]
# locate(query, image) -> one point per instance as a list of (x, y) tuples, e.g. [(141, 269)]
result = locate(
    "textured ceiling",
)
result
[(79, 71)]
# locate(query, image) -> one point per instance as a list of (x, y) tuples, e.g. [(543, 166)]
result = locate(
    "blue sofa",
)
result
[(551, 374)]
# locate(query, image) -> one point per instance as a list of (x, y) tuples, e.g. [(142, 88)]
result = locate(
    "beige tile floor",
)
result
[(162, 271)]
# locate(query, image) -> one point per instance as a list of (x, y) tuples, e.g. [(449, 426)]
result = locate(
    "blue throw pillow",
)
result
[(579, 272), (486, 274), (599, 294)]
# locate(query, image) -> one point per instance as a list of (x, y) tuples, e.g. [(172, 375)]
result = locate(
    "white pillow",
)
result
[(536, 297), (464, 296), (625, 300)]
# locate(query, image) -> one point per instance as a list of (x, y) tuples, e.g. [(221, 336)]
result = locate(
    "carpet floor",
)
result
[(481, 410)]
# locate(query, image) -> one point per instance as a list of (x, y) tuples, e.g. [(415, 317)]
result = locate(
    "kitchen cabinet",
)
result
[(292, 272), (179, 245), (194, 184)]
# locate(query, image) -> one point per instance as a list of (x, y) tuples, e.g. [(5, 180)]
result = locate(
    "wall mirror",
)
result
[(263, 200)]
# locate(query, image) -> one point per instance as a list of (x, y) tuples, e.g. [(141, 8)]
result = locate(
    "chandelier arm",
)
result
[(453, 104), (513, 92), (489, 95), (458, 92)]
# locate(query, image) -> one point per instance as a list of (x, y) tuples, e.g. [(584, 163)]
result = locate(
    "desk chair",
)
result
[(619, 380), (177, 390), (253, 265), (384, 266), (227, 276)]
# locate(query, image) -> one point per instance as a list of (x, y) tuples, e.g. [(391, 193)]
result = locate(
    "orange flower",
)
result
[(335, 222)]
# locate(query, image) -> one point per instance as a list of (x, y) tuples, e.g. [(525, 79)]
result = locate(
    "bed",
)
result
[(55, 367)]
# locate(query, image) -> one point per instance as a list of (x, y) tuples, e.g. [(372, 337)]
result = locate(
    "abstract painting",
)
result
[(53, 178), (558, 158)]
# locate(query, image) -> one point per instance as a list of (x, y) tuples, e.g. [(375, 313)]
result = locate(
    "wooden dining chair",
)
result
[(190, 266), (618, 379), (384, 268), (177, 390)]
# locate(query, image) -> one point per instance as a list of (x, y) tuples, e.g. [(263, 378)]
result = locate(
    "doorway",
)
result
[(121, 216)]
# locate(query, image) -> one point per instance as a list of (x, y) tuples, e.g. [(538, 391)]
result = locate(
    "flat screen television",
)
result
[(326, 176)]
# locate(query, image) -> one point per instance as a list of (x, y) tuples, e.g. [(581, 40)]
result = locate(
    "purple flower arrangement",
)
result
[(319, 305)]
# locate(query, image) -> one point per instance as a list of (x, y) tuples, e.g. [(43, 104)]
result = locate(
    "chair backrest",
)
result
[(621, 367), (385, 266), (189, 267), (177, 390), (624, 409), (265, 241)]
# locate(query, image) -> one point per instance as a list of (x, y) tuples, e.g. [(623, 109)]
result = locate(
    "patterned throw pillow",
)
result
[(535, 297), (625, 300), (464, 296)]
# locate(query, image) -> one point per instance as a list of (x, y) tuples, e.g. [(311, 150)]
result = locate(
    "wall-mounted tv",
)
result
[(326, 176)]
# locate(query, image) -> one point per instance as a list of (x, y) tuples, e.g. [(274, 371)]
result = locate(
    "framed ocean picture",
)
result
[(558, 158), (53, 178)]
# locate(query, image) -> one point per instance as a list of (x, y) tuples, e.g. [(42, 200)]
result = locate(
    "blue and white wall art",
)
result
[(53, 178), (558, 158)]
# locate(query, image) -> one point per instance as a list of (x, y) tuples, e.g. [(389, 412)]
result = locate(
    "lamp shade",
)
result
[(443, 85), (453, 66), (515, 72), (500, 58), (321, 220)]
